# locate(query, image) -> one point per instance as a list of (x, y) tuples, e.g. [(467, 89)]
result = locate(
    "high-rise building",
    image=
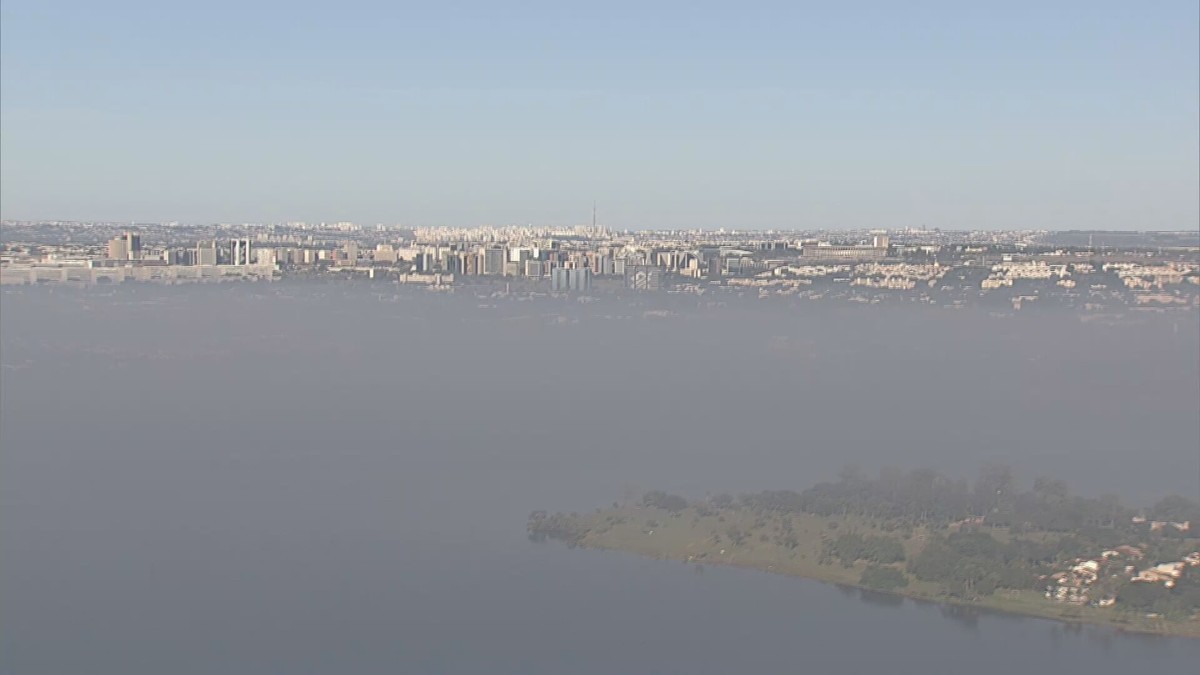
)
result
[(581, 279), (206, 253), (493, 261), (385, 253), (603, 265), (118, 249), (125, 246), (266, 256), (643, 278), (135, 245), (563, 279), (712, 263), (534, 269), (559, 279), (239, 252)]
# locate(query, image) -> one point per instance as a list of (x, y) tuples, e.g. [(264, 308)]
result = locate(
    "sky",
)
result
[(853, 114)]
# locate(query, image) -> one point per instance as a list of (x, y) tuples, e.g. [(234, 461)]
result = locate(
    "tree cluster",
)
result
[(1178, 602), (883, 578), (924, 496), (664, 501), (852, 547), (560, 526), (975, 564)]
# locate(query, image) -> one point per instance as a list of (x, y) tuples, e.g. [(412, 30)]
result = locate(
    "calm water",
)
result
[(296, 480)]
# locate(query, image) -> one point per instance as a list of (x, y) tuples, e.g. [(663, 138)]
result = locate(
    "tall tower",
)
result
[(133, 242), (239, 252)]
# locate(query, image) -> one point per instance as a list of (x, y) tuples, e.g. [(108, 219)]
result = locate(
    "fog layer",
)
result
[(303, 477)]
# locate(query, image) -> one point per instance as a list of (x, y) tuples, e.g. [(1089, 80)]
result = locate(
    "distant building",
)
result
[(580, 280), (424, 262), (206, 253), (559, 280), (240, 253), (712, 264), (563, 279), (534, 269), (118, 249), (492, 261), (125, 246), (643, 278), (826, 251), (346, 255), (385, 253)]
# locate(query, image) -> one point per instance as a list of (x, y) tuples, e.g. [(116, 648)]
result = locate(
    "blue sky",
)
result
[(788, 114)]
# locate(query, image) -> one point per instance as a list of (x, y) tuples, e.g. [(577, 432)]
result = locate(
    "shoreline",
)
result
[(1181, 629), (696, 540)]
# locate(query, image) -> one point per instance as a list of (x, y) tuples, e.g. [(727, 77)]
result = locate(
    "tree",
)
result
[(852, 547), (1050, 489), (1178, 509), (662, 500), (883, 578), (722, 501), (993, 488), (1109, 510)]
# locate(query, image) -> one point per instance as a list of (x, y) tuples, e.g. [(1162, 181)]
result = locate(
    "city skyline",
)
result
[(1157, 270), (1075, 116)]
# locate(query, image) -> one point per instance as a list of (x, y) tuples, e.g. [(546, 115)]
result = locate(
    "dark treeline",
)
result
[(852, 547), (926, 496), (972, 564), (664, 501), (561, 526)]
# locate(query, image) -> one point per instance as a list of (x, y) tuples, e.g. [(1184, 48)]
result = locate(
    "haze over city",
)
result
[(551, 338)]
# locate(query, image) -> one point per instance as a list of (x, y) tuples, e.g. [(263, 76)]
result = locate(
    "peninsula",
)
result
[(1042, 552)]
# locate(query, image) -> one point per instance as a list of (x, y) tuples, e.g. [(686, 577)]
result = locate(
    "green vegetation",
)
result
[(1177, 603), (1041, 552), (664, 501), (852, 547), (975, 564), (883, 578), (567, 528), (925, 496)]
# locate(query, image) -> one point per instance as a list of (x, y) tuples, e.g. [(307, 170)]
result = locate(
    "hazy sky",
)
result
[(788, 114)]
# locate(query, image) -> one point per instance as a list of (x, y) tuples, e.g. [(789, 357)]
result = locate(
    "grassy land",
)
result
[(741, 537)]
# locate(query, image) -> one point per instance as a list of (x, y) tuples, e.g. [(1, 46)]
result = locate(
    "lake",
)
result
[(325, 478)]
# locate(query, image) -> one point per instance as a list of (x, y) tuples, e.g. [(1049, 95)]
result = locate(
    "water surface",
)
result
[(255, 479)]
